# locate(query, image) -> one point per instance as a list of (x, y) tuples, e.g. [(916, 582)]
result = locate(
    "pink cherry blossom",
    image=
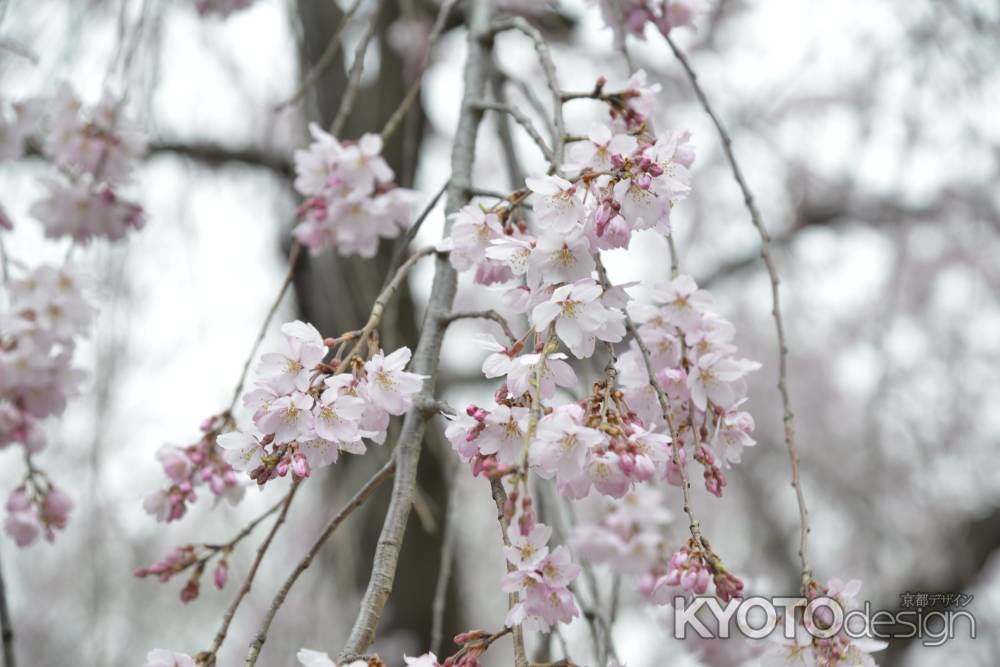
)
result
[(240, 450), (292, 369), (596, 152), (289, 418), (389, 386), (161, 657), (557, 208), (579, 317)]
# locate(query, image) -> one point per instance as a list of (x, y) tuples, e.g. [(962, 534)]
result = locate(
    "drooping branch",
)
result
[(354, 76), (524, 122), (549, 70), (788, 417), (355, 502), (316, 71), (664, 402), (209, 658), (414, 92), (428, 350)]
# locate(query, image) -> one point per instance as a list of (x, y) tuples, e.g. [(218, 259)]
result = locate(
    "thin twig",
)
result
[(447, 556), (249, 528), (324, 60), (522, 120), (772, 272), (505, 130), (209, 659), (378, 308), (411, 233), (359, 499), (413, 93), (549, 70), (354, 76), (530, 96), (484, 315), (693, 524), (428, 350)]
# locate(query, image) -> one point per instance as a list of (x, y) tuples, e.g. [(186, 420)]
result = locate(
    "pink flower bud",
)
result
[(190, 591), (221, 574)]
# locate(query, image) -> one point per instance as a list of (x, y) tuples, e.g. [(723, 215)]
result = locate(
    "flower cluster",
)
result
[(815, 644), (541, 578), (621, 178), (693, 361), (351, 201), (192, 466), (46, 311), (48, 308), (36, 507), (632, 16), (629, 537), (691, 568), (308, 411), (194, 558), (94, 151), (596, 443)]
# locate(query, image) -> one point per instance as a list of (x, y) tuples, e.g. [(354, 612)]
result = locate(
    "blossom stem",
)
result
[(693, 524), (378, 308)]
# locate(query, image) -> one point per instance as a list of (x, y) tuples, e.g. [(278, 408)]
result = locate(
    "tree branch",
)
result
[(427, 354), (359, 498)]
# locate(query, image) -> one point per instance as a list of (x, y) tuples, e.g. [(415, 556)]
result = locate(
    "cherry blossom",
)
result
[(601, 145), (389, 386), (161, 657), (541, 578), (631, 16), (579, 316), (308, 413), (189, 467), (240, 450), (558, 208)]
